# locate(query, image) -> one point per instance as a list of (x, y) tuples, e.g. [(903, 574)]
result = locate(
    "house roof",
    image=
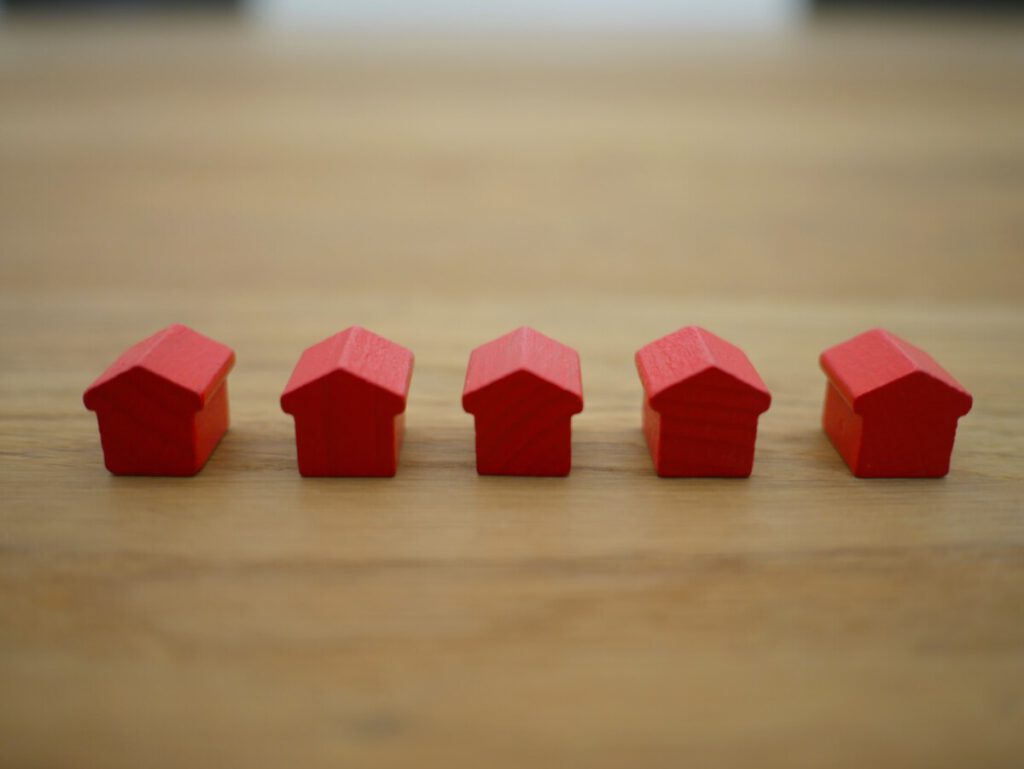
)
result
[(691, 356), (877, 359), (185, 359), (523, 351), (361, 354)]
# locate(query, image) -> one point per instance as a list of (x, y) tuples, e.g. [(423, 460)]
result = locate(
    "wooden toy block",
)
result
[(348, 395), (162, 406), (522, 390), (890, 410), (702, 399)]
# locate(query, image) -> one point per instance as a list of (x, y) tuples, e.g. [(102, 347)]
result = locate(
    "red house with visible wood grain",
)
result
[(162, 406), (702, 400), (348, 395), (522, 390), (890, 409)]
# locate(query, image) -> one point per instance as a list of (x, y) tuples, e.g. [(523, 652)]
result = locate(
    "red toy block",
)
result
[(890, 410), (522, 390), (348, 395), (702, 398), (162, 406)]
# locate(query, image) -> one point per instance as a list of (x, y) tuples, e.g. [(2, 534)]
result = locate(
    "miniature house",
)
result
[(348, 395), (890, 410), (162, 406), (702, 399), (522, 390)]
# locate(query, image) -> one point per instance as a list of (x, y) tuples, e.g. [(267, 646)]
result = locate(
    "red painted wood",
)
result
[(162, 406), (890, 409), (348, 395), (702, 399), (522, 390)]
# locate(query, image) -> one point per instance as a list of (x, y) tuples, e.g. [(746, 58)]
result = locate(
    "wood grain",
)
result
[(271, 190)]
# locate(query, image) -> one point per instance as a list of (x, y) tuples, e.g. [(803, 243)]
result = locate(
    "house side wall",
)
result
[(652, 430), (843, 427), (211, 422)]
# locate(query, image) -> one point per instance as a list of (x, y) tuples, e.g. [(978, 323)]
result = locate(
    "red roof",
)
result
[(691, 356), (361, 354), (870, 362), (524, 351), (177, 355)]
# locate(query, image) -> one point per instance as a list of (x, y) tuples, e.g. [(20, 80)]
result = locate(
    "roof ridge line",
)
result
[(346, 344), (155, 340), (899, 343), (701, 334)]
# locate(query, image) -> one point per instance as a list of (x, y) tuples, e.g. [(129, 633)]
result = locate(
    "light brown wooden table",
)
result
[(270, 190)]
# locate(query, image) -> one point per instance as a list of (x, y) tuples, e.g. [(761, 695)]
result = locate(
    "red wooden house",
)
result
[(890, 410), (702, 399), (522, 390), (162, 406), (348, 395)]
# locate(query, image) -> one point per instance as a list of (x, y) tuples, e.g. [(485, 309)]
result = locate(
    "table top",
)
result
[(270, 189)]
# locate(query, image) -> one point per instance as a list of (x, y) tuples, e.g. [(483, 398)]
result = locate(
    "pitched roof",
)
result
[(361, 354), (691, 352), (524, 350), (876, 359), (181, 357)]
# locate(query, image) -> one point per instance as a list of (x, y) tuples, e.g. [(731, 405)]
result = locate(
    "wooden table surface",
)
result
[(272, 189)]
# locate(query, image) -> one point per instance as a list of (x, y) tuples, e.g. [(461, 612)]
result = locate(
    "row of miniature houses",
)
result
[(890, 409)]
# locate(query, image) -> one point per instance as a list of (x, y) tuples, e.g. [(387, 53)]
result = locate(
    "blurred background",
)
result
[(742, 149), (575, 12), (412, 132)]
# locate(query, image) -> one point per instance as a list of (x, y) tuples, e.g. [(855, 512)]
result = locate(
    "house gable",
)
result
[(522, 390), (341, 389), (523, 361), (354, 359), (712, 388), (680, 364), (914, 393)]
